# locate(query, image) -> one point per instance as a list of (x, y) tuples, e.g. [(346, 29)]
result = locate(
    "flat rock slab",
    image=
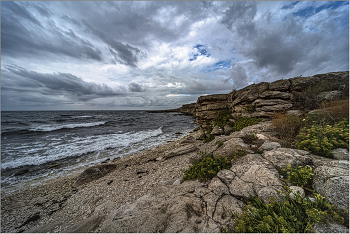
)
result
[(282, 156), (182, 150), (188, 207), (94, 173)]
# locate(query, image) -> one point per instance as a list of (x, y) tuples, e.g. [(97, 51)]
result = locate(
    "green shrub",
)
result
[(286, 215), (222, 118), (249, 109), (250, 138), (206, 138), (245, 122), (238, 153), (206, 168), (301, 176), (210, 129), (322, 140), (220, 143)]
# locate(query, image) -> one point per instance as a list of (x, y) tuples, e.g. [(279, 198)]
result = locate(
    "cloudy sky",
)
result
[(159, 55)]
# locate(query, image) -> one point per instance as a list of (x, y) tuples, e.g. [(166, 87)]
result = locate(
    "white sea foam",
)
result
[(79, 146), (53, 127)]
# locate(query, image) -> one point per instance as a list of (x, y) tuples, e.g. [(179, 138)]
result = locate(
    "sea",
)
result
[(40, 145)]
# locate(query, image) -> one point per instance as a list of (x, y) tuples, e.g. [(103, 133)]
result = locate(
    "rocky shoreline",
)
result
[(143, 193)]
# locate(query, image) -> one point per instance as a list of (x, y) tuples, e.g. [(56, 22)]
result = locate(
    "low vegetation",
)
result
[(207, 137), (222, 118), (249, 108), (320, 131), (323, 139), (220, 143), (285, 215), (244, 122), (206, 168), (301, 176), (238, 153)]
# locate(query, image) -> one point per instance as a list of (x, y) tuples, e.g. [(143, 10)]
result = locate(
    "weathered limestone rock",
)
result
[(332, 182), (270, 146), (188, 207), (329, 228), (282, 156), (217, 131), (224, 207), (299, 83), (295, 190), (241, 188), (179, 151), (279, 107), (226, 176), (230, 146), (341, 154), (94, 173), (265, 193), (327, 96), (188, 140), (270, 102), (228, 129), (276, 94), (86, 225), (260, 175), (217, 187), (44, 228), (280, 85), (213, 97)]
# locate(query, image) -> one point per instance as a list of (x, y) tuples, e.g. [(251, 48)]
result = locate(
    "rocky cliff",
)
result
[(265, 99)]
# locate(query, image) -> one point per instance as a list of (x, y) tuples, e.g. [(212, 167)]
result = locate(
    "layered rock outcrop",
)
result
[(263, 99)]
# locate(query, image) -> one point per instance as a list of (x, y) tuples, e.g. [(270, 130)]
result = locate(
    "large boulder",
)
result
[(94, 173), (230, 146), (332, 182)]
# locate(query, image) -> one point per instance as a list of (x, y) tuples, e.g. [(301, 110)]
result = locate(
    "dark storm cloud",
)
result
[(123, 53), (283, 47), (20, 79), (37, 41), (136, 87)]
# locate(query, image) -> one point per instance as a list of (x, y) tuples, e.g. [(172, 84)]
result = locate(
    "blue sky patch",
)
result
[(311, 10), (201, 51), (224, 64), (290, 5)]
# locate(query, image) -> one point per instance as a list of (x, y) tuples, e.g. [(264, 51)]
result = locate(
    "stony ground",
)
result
[(143, 192), (58, 201)]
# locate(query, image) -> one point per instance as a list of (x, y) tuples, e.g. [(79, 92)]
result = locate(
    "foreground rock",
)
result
[(94, 173)]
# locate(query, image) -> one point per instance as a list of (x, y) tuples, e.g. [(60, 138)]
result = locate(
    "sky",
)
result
[(125, 55)]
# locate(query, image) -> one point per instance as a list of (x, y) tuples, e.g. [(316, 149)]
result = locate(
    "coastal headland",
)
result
[(146, 191)]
